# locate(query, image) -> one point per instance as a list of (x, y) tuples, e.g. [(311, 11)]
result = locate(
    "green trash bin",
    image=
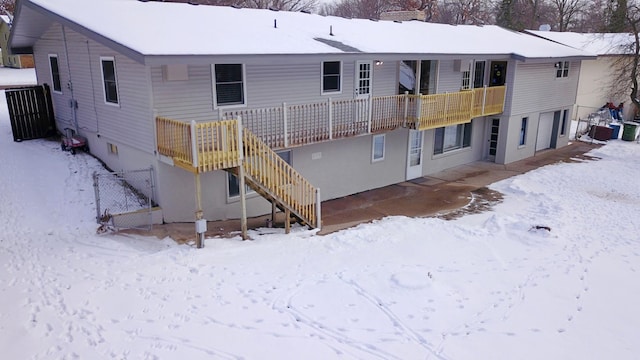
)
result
[(629, 131)]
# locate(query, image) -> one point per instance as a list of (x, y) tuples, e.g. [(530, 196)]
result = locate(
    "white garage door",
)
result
[(545, 129)]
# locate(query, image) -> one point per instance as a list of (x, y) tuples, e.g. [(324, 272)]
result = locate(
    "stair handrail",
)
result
[(265, 167)]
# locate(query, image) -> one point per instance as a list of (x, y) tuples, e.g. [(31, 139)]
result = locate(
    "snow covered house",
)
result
[(598, 81), (285, 100)]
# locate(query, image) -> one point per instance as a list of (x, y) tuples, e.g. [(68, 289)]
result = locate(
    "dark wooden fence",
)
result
[(31, 112)]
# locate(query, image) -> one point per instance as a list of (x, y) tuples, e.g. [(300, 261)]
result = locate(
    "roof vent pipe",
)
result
[(275, 23), (331, 30)]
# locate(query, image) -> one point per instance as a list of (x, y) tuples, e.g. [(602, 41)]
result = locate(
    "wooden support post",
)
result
[(194, 145), (287, 220), (418, 111), (406, 107), (330, 113), (285, 125), (369, 114), (243, 197), (199, 237), (273, 212), (484, 98), (318, 210)]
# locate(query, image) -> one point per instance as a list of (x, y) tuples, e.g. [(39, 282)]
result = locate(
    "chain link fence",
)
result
[(124, 199)]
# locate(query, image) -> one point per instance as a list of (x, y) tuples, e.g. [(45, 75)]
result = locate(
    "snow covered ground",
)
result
[(486, 286)]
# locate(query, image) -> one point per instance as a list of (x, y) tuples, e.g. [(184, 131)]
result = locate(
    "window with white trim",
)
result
[(331, 77), (452, 137), (229, 86), (55, 73), (110, 80), (562, 69), (377, 148), (523, 131)]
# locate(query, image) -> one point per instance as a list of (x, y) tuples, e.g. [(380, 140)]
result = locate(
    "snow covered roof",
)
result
[(159, 28), (597, 43)]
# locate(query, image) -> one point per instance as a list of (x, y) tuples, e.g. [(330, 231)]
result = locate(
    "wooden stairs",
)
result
[(226, 145)]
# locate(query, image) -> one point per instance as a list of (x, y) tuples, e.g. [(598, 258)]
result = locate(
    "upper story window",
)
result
[(331, 77), (55, 73), (230, 87), (562, 69), (110, 80)]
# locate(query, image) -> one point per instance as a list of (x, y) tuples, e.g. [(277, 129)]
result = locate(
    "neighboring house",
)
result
[(337, 99), (599, 80), (9, 59)]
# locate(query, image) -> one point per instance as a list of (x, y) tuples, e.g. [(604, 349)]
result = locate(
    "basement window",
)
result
[(452, 137), (112, 148), (377, 148)]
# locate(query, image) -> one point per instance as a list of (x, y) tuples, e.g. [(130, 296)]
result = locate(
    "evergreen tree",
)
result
[(617, 16)]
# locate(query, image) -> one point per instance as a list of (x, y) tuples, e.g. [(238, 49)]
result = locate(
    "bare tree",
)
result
[(633, 19), (288, 5), (361, 9), (567, 12), (465, 12)]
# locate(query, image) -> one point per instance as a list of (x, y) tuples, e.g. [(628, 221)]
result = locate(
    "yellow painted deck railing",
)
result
[(174, 139), (438, 110), (215, 145), (263, 166), (199, 147)]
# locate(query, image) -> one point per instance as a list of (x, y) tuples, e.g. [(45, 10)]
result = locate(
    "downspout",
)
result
[(72, 102)]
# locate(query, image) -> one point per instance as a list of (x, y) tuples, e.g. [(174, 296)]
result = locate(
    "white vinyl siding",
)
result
[(266, 86), (536, 91), (130, 123), (448, 79)]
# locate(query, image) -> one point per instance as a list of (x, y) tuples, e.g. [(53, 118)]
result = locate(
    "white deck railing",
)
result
[(293, 125)]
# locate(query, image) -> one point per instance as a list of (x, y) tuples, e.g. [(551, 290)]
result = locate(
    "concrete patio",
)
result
[(447, 194)]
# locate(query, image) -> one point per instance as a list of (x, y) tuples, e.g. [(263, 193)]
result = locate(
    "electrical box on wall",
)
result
[(461, 65), (175, 72)]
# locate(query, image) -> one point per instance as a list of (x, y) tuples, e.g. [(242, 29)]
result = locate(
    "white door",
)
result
[(362, 93), (414, 157), (363, 79), (545, 129)]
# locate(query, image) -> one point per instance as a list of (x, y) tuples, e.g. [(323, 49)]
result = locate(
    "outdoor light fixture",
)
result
[(379, 62)]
